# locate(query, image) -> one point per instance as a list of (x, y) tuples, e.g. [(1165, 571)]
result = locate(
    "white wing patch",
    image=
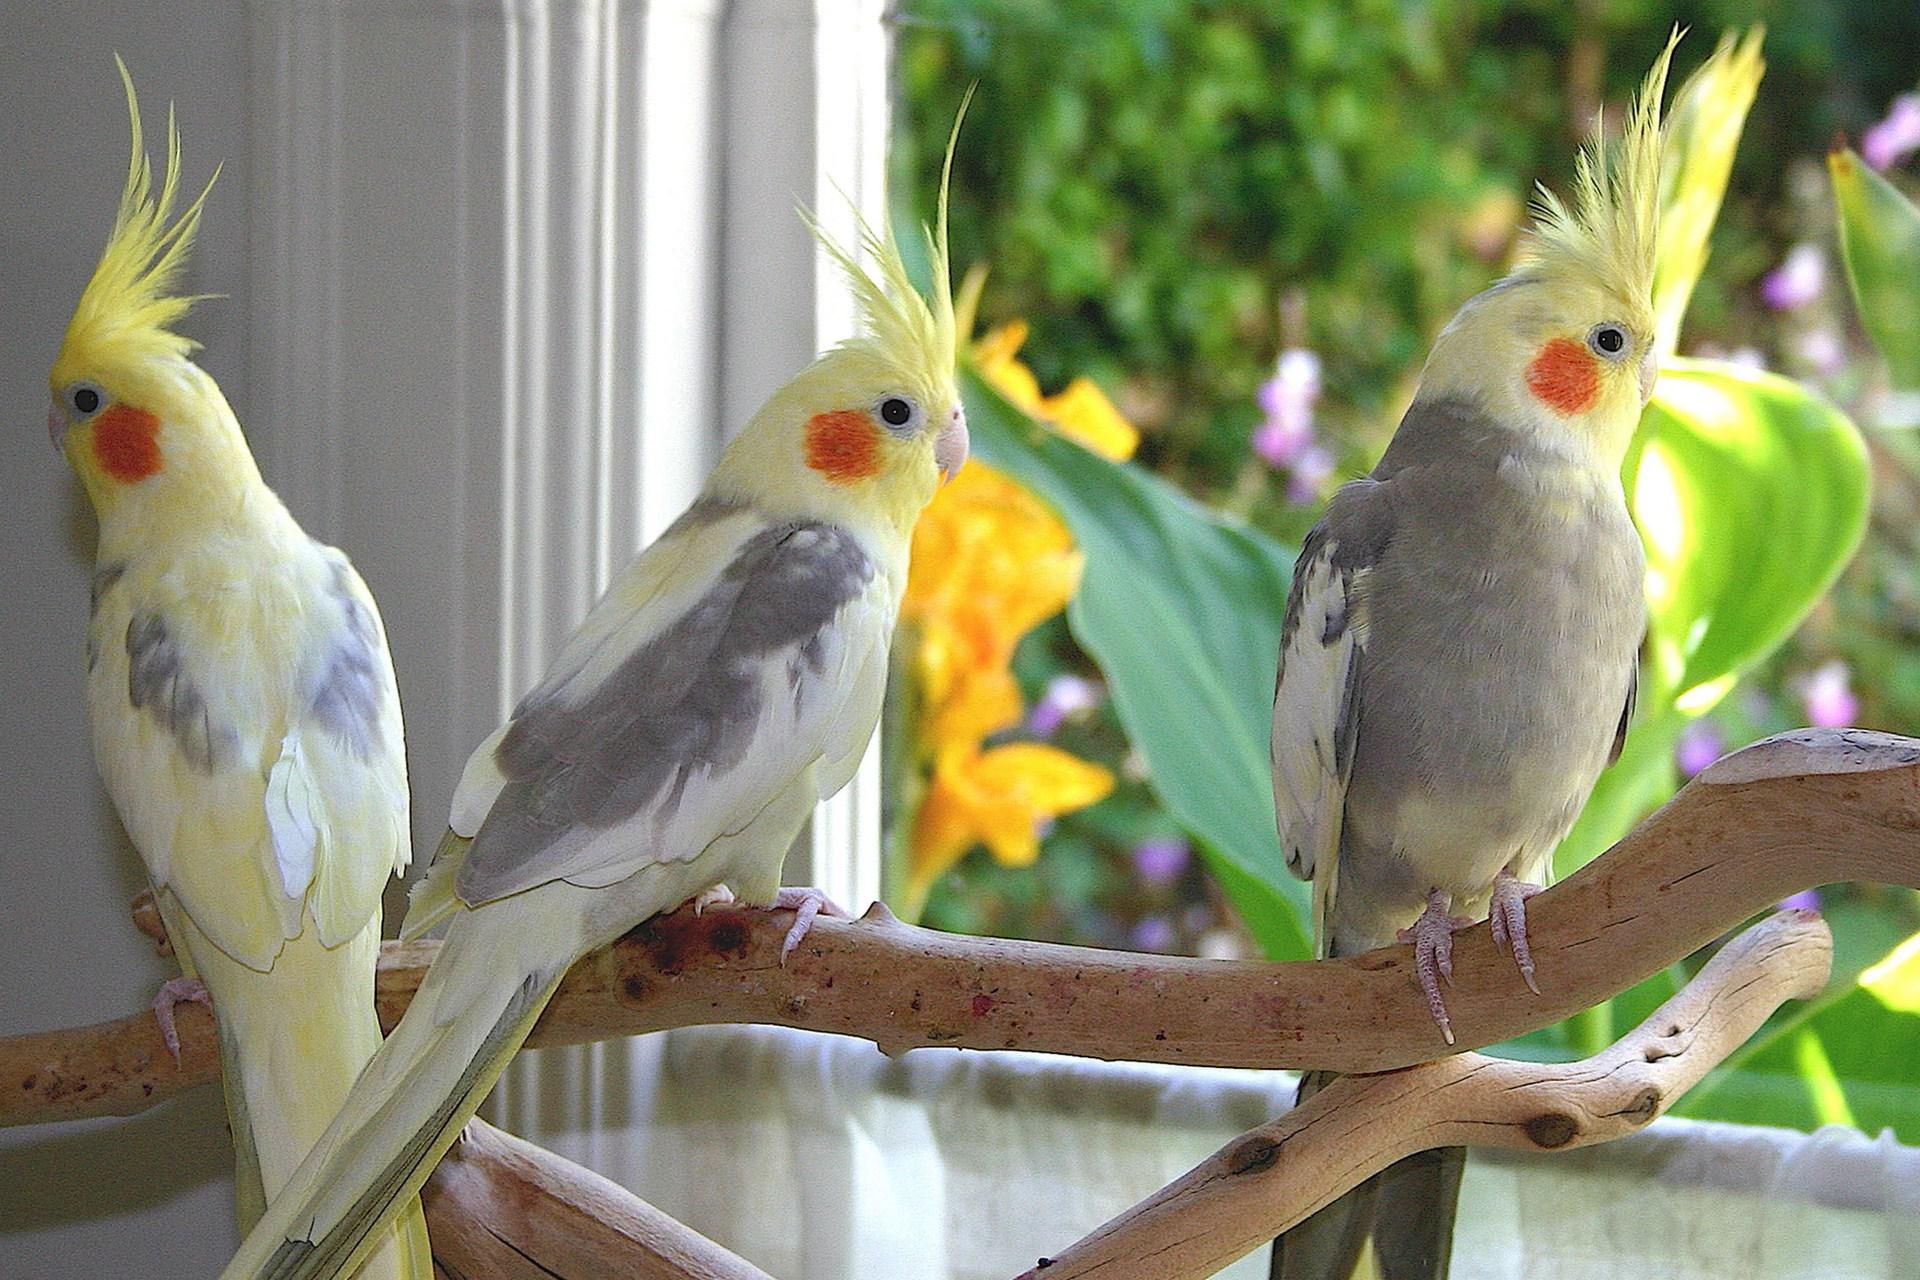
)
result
[(1315, 715), (292, 808)]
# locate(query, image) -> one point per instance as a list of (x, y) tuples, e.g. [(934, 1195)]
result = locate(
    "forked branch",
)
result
[(1272, 1177), (1793, 812)]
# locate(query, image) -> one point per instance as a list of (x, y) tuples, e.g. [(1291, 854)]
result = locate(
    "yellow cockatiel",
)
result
[(729, 679), (243, 707)]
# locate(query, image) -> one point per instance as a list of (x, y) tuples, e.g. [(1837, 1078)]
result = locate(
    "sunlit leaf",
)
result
[(1182, 612), (1880, 240)]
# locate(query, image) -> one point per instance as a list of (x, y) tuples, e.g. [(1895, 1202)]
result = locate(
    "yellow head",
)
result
[(141, 423), (1564, 346), (869, 429)]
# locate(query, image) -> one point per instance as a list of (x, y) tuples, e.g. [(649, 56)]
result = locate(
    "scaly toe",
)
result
[(175, 991), (806, 904)]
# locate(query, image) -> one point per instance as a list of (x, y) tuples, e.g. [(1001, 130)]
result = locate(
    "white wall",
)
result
[(468, 250)]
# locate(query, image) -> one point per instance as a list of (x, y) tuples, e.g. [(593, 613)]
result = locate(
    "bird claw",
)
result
[(718, 896), (173, 991), (1508, 916), (806, 904), (1432, 939)]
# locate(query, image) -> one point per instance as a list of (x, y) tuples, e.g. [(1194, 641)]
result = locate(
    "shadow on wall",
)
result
[(77, 1173)]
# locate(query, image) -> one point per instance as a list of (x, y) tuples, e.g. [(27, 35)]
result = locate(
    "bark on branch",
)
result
[(499, 1208), (1272, 1177), (1793, 812)]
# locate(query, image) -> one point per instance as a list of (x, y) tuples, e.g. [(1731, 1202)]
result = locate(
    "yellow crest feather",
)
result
[(128, 307), (900, 325), (1612, 229)]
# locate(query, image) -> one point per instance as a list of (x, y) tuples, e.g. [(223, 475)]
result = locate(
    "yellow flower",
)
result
[(991, 562), (993, 356), (1081, 411), (998, 798)]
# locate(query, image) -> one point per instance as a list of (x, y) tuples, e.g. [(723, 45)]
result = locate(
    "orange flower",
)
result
[(997, 797), (990, 563)]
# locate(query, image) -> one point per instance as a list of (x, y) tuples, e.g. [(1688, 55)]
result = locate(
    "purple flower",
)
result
[(1896, 137), (1287, 398), (1309, 473), (1827, 697), (1700, 745), (1066, 697), (1162, 860), (1823, 351), (1798, 279), (1153, 933), (1805, 900)]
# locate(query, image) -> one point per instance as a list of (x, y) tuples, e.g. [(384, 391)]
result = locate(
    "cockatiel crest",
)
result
[(1564, 346), (1611, 232), (861, 453), (128, 307)]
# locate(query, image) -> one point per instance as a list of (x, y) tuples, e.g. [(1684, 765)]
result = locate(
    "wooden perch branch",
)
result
[(1272, 1177), (1795, 811), (496, 1204)]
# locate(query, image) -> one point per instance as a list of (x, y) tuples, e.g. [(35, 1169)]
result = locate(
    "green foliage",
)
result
[(1880, 239), (1182, 612), (1173, 192)]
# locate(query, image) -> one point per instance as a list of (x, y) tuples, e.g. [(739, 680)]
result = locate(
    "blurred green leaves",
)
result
[(1880, 239), (1181, 610)]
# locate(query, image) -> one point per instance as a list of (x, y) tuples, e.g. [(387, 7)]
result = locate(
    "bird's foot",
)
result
[(805, 903), (1508, 915), (718, 896), (1432, 939), (175, 991)]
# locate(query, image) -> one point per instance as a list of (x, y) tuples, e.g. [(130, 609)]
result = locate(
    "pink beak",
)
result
[(1649, 374), (950, 446), (56, 426)]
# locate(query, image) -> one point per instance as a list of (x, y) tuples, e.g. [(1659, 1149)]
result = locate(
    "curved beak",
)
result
[(56, 426), (1649, 374), (950, 446)]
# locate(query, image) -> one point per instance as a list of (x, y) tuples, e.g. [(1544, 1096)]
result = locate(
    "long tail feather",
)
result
[(416, 1095), (292, 1043)]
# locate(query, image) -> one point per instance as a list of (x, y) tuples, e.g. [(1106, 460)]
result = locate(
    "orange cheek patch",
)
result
[(843, 446), (1564, 377), (126, 441)]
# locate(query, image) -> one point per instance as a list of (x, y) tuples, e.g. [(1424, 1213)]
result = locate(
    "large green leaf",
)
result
[(1751, 495), (1880, 240), (1182, 612)]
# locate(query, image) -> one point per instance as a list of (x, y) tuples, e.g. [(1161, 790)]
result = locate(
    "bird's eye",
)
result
[(900, 413), (85, 399), (1609, 341)]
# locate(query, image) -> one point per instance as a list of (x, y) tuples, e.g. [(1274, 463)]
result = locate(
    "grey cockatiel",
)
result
[(1458, 658)]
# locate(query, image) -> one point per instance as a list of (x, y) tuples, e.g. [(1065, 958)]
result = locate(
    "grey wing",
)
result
[(693, 731), (1316, 703)]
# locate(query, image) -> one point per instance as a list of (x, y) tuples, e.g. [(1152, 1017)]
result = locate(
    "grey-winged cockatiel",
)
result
[(1459, 652)]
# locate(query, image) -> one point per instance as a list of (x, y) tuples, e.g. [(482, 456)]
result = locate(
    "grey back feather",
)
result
[(682, 707)]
